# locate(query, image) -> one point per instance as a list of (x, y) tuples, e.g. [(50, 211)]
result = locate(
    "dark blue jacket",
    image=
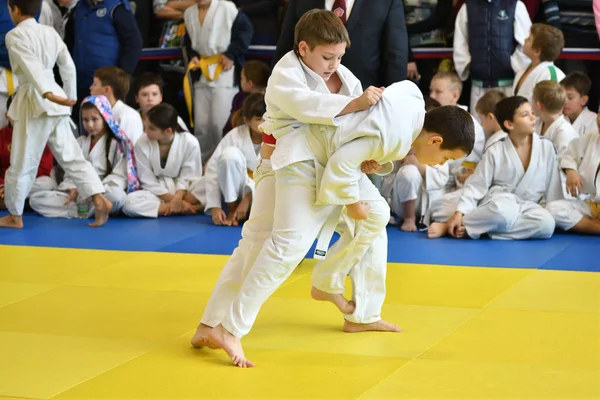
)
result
[(491, 39)]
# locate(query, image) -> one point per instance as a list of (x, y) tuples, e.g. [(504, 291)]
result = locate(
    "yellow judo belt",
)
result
[(203, 65), (595, 209), (10, 83)]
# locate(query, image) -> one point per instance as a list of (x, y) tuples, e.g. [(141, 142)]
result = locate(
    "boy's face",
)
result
[(324, 60), (536, 107), (574, 104), (528, 49), (14, 13), (148, 97), (441, 90), (245, 84), (523, 121), (428, 150), (97, 89), (254, 123), (93, 123), (488, 123)]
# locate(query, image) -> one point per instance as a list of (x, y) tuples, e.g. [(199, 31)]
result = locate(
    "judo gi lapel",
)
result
[(247, 147), (528, 176)]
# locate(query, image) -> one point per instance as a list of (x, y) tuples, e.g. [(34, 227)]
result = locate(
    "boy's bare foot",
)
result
[(379, 326), (409, 225), (231, 344), (201, 339), (11, 221), (103, 207), (345, 306), (437, 230), (461, 232)]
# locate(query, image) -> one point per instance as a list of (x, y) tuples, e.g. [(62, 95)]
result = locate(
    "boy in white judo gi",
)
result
[(543, 47), (548, 102), (501, 198), (309, 94), (580, 164), (41, 113), (577, 86)]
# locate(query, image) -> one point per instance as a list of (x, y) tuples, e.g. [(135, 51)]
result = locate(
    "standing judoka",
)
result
[(217, 37), (40, 111), (502, 196)]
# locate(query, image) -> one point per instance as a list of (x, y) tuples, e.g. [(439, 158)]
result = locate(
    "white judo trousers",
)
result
[(51, 203), (255, 231), (407, 186), (232, 174), (212, 106), (30, 136), (144, 203), (567, 213), (296, 191)]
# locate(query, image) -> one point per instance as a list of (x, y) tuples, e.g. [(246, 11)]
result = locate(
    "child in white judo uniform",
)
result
[(501, 198), (109, 150), (543, 47), (149, 93), (548, 102), (41, 114), (577, 86), (217, 37), (580, 164), (169, 168), (228, 173)]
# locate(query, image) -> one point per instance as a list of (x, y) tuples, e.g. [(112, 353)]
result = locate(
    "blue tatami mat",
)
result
[(198, 235)]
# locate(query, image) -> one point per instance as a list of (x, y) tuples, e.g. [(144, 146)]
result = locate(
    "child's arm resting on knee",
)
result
[(339, 182)]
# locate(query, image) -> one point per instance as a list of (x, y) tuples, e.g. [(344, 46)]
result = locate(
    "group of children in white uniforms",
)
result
[(318, 159)]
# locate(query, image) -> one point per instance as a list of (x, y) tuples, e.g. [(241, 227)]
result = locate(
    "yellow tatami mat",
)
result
[(88, 324)]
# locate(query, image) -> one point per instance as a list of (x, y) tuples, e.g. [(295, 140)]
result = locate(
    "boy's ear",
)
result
[(509, 125), (435, 139), (584, 100)]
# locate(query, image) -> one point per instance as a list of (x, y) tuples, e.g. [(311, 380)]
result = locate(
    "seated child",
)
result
[(254, 77), (580, 164), (169, 167), (577, 86), (543, 47), (227, 178), (109, 151), (548, 102), (113, 83), (44, 179), (501, 198), (149, 93)]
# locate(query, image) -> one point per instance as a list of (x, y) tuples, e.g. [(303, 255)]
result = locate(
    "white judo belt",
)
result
[(326, 233)]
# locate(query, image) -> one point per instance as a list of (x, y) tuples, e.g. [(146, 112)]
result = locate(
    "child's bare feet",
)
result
[(201, 338), (437, 230), (409, 225), (231, 344), (11, 221), (345, 306), (379, 326), (103, 207)]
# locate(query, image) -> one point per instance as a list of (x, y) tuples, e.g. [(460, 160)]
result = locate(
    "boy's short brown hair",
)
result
[(148, 79), (548, 40), (579, 81), (117, 79), (320, 27), (551, 95), (257, 72), (455, 82), (487, 103), (431, 104)]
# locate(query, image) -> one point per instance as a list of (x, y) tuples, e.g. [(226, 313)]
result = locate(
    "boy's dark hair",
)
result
[(320, 27), (431, 104), (27, 7), (551, 95), (506, 109), (548, 40), (254, 106), (148, 79), (116, 78), (454, 125), (487, 103), (164, 116), (579, 81), (257, 72)]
